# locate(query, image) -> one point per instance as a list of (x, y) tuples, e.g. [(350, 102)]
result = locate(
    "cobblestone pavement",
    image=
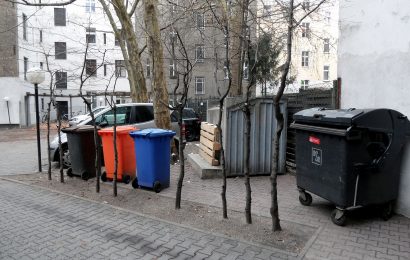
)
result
[(39, 224), (366, 235)]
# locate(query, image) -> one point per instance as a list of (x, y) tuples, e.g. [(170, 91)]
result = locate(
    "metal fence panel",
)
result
[(263, 127)]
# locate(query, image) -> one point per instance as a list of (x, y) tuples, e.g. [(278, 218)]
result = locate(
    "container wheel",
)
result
[(85, 175), (305, 199), (157, 186), (104, 177), (387, 211), (135, 183), (126, 179), (338, 217), (70, 172)]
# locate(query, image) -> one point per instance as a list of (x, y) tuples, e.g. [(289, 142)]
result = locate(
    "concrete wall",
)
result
[(374, 61)]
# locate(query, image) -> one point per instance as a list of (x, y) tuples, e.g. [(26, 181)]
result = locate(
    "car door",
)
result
[(123, 117)]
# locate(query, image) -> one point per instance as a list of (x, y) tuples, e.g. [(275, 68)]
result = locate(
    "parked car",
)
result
[(140, 115), (79, 118), (191, 121)]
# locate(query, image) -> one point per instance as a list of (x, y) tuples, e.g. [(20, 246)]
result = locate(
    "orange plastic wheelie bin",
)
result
[(125, 150)]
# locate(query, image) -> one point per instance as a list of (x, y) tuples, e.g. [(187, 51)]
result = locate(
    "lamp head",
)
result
[(35, 75)]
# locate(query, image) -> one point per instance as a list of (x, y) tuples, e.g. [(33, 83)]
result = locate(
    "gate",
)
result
[(263, 127)]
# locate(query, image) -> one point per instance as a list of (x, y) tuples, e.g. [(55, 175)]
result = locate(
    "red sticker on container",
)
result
[(314, 140)]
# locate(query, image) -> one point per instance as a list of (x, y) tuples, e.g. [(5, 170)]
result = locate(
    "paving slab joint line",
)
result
[(155, 218), (309, 243)]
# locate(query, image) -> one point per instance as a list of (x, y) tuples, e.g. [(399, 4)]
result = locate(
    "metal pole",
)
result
[(8, 111), (37, 127)]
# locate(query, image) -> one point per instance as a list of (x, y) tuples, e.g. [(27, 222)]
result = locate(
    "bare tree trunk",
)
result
[(236, 45), (59, 144), (115, 152), (162, 118), (223, 192), (181, 160), (274, 210)]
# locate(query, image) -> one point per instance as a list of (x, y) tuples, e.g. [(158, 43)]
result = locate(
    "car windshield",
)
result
[(96, 110), (188, 113)]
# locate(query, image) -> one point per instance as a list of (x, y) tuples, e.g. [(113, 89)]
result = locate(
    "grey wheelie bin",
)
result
[(81, 151), (350, 157)]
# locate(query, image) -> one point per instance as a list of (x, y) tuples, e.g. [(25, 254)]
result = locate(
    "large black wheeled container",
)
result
[(350, 157), (81, 149)]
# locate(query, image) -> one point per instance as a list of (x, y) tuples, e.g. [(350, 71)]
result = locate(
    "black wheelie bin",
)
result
[(350, 157), (81, 151)]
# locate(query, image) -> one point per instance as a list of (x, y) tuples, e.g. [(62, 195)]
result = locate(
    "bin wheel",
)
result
[(70, 172), (135, 183), (157, 187), (338, 217), (387, 211), (85, 175), (104, 177), (126, 179), (307, 200)]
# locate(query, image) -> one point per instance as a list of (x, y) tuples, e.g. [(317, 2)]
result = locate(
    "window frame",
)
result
[(200, 21), (326, 45), (305, 59), (172, 69), (196, 85), (120, 70), (305, 29), (90, 6), (148, 69), (88, 67), (25, 67), (24, 27), (59, 84), (56, 21), (326, 72), (90, 31), (201, 48), (304, 84), (59, 55)]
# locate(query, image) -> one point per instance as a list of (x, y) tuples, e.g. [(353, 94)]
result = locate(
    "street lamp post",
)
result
[(36, 76)]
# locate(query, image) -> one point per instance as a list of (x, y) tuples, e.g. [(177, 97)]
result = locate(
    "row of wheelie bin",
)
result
[(143, 155)]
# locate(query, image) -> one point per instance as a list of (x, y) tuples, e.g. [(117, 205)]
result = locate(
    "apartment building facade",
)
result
[(314, 46)]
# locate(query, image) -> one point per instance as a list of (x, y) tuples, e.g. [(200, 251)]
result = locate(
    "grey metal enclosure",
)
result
[(263, 127)]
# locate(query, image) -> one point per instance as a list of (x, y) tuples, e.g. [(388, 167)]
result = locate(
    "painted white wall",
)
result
[(374, 61)]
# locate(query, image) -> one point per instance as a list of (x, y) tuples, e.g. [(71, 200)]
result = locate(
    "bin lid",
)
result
[(152, 132), (380, 119), (77, 129), (120, 130)]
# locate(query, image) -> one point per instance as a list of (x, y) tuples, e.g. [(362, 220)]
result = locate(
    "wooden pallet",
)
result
[(209, 143)]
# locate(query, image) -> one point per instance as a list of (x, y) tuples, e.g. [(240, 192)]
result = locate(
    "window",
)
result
[(25, 67), (226, 72), (326, 72), (305, 59), (24, 27), (120, 69), (41, 36), (42, 103), (41, 65), (144, 114), (327, 17), (60, 50), (105, 38), (267, 10), (91, 67), (172, 70), (105, 69), (174, 6), (90, 6), (305, 29), (59, 17), (200, 21), (117, 41), (199, 85), (199, 53), (90, 35), (245, 70), (123, 116), (61, 80), (326, 46), (304, 83), (306, 5), (148, 69)]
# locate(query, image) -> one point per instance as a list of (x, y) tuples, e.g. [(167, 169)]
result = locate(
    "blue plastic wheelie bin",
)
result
[(152, 153)]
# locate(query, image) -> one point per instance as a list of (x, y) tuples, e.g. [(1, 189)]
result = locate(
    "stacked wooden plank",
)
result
[(210, 146)]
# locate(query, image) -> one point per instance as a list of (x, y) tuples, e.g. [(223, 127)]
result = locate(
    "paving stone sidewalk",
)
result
[(40, 224)]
